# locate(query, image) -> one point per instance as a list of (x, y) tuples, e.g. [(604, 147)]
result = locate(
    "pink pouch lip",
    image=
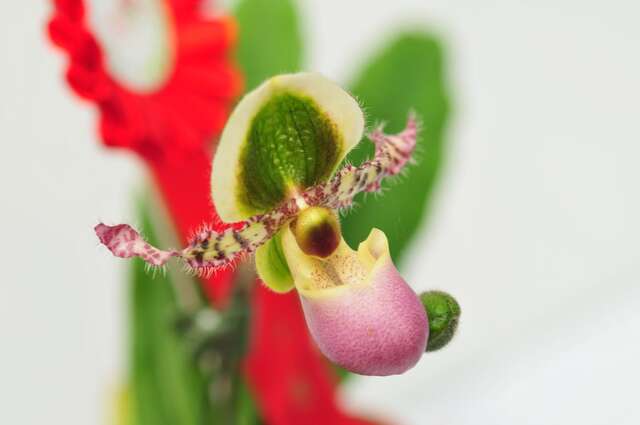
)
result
[(373, 324), (378, 329)]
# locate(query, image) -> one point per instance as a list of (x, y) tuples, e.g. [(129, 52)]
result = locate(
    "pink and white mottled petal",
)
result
[(124, 242)]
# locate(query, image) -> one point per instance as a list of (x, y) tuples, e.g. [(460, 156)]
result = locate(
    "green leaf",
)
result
[(166, 385), (407, 74), (246, 413), (269, 39)]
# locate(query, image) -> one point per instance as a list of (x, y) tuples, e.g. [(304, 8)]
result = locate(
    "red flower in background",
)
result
[(185, 111), (172, 128)]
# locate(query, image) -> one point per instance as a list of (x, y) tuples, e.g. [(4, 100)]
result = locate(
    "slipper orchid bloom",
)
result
[(275, 175)]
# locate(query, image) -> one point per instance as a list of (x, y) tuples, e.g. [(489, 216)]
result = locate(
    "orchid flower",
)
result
[(171, 120), (275, 175)]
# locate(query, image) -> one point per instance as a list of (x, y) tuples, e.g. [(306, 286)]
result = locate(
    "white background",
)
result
[(535, 228)]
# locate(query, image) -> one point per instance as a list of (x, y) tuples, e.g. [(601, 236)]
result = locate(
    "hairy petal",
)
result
[(214, 249), (392, 153), (210, 249)]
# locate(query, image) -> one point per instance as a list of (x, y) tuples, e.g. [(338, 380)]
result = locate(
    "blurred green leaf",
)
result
[(269, 40), (407, 74), (167, 387), (245, 406)]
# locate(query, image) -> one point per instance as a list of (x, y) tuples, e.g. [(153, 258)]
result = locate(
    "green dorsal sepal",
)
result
[(290, 146), (289, 134), (443, 312)]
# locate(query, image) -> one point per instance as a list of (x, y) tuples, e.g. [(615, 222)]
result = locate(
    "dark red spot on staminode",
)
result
[(321, 240)]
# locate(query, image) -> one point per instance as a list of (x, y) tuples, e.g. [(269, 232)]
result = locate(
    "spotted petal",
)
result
[(210, 249), (392, 153)]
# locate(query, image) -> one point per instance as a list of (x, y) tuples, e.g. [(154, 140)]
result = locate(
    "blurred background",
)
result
[(533, 225)]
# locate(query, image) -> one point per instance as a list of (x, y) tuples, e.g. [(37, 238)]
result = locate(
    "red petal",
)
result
[(72, 9), (202, 68)]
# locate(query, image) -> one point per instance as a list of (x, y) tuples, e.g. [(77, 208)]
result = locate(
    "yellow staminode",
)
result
[(346, 269)]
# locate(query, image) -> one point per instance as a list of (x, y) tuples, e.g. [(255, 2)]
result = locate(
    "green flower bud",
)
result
[(443, 312)]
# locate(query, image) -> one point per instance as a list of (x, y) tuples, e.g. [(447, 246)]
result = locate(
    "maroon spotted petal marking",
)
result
[(208, 249)]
